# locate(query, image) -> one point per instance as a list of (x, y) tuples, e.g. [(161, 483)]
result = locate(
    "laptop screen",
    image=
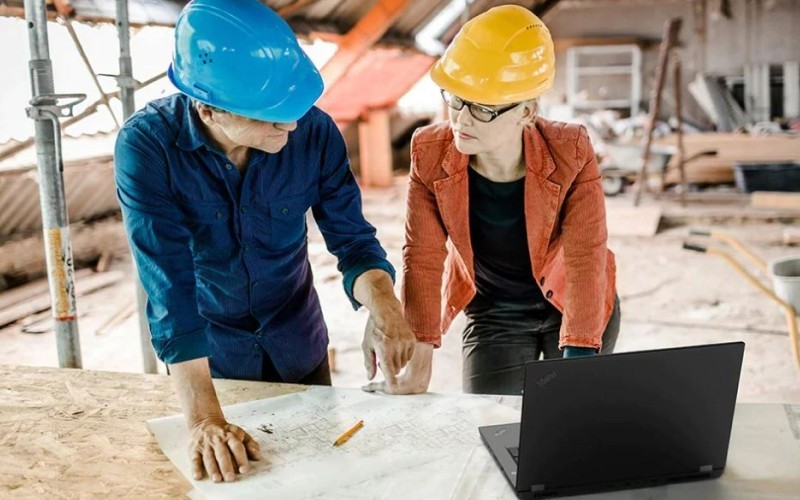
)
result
[(662, 414)]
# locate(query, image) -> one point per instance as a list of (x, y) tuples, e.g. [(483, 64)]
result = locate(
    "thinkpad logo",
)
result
[(546, 379)]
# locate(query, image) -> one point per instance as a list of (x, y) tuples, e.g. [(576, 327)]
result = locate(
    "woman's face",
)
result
[(473, 136)]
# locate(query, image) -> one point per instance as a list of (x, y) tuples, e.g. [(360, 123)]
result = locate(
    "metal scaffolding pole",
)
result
[(127, 87), (45, 111)]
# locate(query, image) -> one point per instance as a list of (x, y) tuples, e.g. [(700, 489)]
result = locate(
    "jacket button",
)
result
[(549, 294), (284, 210), (229, 167), (218, 215), (244, 209), (541, 281)]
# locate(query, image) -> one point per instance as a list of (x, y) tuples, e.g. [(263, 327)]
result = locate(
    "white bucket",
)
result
[(785, 274)]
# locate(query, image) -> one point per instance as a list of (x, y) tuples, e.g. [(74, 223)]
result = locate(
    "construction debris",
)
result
[(718, 103)]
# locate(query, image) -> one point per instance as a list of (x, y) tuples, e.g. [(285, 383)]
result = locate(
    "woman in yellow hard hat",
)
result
[(508, 210)]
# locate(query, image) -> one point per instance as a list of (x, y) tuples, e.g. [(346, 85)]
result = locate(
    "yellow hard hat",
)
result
[(502, 56)]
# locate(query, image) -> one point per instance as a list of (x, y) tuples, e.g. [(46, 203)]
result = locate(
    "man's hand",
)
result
[(388, 342), (216, 448), (221, 450), (414, 380)]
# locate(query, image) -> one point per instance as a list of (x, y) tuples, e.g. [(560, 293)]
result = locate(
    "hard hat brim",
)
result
[(299, 100)]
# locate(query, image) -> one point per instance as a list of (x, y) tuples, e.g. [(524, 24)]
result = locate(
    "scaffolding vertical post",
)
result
[(45, 112), (127, 87)]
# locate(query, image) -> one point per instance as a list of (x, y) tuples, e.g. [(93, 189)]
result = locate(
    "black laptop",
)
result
[(620, 421)]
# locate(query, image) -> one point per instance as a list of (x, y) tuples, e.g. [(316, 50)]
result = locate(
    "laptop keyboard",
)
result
[(514, 453)]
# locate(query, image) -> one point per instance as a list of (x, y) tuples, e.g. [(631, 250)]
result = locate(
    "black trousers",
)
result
[(500, 337), (320, 376)]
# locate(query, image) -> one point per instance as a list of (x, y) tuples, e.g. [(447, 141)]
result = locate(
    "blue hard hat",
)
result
[(240, 56)]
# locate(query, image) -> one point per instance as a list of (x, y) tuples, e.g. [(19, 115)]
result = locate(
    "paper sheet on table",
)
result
[(410, 446)]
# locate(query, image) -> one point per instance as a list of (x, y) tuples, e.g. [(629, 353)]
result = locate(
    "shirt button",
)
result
[(228, 167), (549, 294), (247, 248), (256, 347), (244, 209), (284, 210), (218, 215), (541, 281)]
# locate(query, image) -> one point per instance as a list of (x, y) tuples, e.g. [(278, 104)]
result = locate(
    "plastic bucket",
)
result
[(785, 274)]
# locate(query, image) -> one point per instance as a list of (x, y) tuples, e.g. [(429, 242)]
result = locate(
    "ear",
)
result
[(208, 114), (205, 114), (530, 109)]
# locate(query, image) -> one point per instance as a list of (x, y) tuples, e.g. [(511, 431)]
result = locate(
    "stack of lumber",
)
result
[(32, 298), (728, 149)]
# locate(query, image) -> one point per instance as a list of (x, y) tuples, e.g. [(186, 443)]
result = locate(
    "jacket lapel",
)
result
[(541, 195), (452, 196)]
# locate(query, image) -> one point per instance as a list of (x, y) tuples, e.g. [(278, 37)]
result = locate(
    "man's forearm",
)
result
[(374, 288), (192, 381)]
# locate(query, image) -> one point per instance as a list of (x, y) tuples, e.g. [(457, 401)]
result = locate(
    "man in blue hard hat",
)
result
[(214, 185)]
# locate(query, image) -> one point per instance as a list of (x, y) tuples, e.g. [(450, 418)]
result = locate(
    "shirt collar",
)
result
[(191, 135)]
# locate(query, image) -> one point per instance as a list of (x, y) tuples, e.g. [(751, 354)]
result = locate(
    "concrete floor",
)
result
[(670, 297)]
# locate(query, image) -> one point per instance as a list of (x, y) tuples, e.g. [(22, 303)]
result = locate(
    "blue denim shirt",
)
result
[(223, 256)]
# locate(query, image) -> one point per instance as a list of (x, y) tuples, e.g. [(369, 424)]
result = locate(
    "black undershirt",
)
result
[(499, 241)]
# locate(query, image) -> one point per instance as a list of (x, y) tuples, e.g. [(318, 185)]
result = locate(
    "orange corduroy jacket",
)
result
[(566, 229)]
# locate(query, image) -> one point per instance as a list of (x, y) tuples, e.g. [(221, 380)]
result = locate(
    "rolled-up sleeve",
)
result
[(339, 214), (160, 244)]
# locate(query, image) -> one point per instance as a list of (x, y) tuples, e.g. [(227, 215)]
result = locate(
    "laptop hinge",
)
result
[(706, 468), (535, 488)]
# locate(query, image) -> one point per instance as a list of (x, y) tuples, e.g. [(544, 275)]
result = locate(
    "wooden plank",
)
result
[(633, 221), (30, 290), (730, 148), (727, 149), (81, 434), (23, 259), (769, 199), (89, 284)]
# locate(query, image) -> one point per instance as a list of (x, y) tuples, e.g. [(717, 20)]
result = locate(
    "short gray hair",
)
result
[(198, 104)]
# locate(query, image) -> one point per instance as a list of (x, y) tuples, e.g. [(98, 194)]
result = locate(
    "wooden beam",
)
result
[(289, 10), (88, 64), (63, 7), (375, 149), (775, 200), (362, 37), (543, 8)]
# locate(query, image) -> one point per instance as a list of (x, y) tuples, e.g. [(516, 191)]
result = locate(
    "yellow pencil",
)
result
[(347, 435)]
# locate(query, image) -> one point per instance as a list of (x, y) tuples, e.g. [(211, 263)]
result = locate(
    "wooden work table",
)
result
[(82, 434), (79, 433)]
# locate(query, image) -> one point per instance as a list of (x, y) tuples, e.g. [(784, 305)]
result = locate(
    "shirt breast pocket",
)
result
[(288, 220), (209, 223)]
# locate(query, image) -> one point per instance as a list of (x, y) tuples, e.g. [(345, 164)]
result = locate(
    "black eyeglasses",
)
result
[(478, 111)]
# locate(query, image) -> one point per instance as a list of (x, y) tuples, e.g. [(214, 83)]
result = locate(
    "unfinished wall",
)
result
[(759, 31)]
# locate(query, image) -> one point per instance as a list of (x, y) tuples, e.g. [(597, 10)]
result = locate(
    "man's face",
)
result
[(265, 136)]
